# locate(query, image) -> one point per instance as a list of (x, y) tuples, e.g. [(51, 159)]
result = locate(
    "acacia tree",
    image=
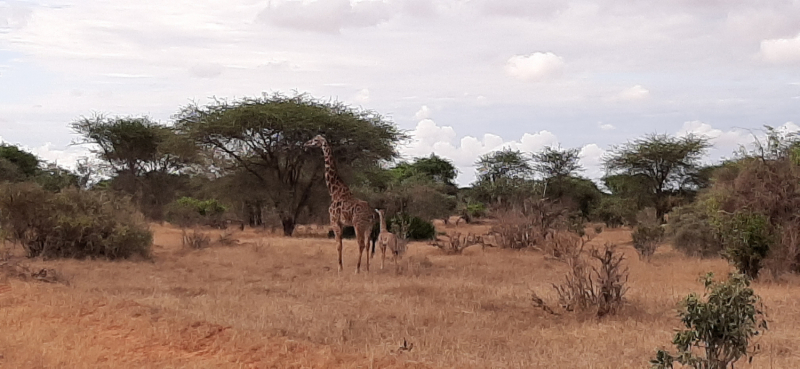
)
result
[(143, 156), (503, 177), (664, 163), (556, 163), (264, 137)]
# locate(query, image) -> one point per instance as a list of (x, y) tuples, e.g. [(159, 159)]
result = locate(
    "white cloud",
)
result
[(591, 158), (781, 50), (428, 137), (362, 97), (423, 113), (634, 93), (327, 16), (535, 67), (606, 126)]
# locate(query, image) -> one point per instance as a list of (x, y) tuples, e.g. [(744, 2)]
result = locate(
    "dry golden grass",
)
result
[(273, 302)]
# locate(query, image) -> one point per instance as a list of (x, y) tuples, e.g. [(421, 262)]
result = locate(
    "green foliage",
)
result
[(433, 169), (667, 164), (748, 238), (263, 138), (503, 165), (615, 211), (144, 156), (72, 223), (578, 193), (187, 211), (721, 326), (26, 163), (557, 162), (411, 227), (646, 238), (54, 178), (692, 232)]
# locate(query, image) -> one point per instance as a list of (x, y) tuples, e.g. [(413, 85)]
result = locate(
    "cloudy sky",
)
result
[(465, 77)]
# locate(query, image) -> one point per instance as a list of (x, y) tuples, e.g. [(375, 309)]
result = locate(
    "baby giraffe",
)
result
[(386, 238)]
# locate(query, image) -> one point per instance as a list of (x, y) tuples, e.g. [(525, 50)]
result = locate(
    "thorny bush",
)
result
[(72, 223)]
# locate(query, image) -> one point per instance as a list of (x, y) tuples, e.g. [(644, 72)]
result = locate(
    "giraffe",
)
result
[(388, 239), (345, 209)]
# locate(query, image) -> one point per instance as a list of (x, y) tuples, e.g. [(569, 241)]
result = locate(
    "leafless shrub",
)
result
[(595, 287), (25, 273), (529, 224), (196, 239), (565, 245), (455, 243), (226, 238)]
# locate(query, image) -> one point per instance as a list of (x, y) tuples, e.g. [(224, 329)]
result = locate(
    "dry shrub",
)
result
[(564, 245), (414, 266), (196, 239), (72, 223), (767, 185), (226, 238), (455, 243), (25, 273), (596, 284), (530, 224)]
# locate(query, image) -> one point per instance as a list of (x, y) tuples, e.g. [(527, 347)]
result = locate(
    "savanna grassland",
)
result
[(268, 301)]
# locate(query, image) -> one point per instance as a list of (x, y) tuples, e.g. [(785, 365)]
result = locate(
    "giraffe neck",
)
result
[(336, 186), (383, 223)]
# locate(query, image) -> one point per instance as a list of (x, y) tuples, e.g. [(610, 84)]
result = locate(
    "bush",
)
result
[(187, 212), (692, 232), (72, 223), (646, 239), (748, 238), (722, 326), (615, 211), (412, 228), (532, 223), (589, 287)]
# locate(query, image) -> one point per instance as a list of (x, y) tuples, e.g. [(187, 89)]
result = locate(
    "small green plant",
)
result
[(719, 328), (646, 239)]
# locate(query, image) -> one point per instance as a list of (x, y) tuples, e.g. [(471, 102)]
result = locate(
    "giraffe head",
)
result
[(317, 141)]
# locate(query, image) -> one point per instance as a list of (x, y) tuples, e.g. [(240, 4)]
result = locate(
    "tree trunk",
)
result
[(254, 213), (288, 226)]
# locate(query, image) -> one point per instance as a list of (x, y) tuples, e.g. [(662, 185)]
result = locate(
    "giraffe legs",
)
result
[(383, 253), (367, 233), (360, 241), (337, 231)]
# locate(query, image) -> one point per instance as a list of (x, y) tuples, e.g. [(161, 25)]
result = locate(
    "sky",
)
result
[(463, 77)]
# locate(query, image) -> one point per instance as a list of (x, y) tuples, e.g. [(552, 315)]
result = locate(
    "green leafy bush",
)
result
[(748, 238), (187, 211), (721, 326), (413, 228), (693, 233), (615, 211), (72, 223)]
